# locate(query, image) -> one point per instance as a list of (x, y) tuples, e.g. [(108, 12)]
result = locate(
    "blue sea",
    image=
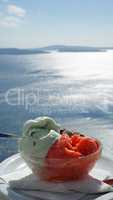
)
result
[(74, 88)]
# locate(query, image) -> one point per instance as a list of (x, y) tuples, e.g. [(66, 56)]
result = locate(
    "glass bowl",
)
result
[(58, 170)]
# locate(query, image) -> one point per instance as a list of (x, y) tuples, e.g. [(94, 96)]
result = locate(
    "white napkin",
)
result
[(30, 182)]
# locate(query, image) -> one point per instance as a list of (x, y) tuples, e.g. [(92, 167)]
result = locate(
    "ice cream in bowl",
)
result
[(56, 154)]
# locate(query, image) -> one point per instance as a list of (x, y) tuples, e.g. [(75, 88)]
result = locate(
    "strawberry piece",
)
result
[(87, 146), (65, 140), (72, 153), (75, 139), (63, 148)]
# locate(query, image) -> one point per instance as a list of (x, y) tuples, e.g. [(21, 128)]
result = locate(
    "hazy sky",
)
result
[(34, 23)]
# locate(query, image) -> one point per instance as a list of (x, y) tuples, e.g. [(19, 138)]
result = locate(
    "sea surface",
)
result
[(74, 88)]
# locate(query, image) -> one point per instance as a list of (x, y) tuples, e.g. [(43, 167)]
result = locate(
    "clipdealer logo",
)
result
[(33, 98), (20, 97)]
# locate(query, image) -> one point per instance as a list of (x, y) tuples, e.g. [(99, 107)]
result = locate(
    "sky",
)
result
[(37, 23)]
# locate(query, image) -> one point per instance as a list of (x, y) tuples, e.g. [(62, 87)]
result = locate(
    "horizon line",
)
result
[(50, 45)]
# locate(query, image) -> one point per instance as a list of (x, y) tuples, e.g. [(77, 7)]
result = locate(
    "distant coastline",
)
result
[(48, 49), (16, 51)]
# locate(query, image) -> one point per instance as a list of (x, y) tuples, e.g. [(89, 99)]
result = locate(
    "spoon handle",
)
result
[(6, 135), (108, 181)]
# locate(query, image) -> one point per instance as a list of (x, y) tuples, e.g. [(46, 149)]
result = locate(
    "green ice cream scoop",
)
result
[(38, 136)]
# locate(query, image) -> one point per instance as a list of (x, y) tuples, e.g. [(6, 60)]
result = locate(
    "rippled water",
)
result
[(74, 88)]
